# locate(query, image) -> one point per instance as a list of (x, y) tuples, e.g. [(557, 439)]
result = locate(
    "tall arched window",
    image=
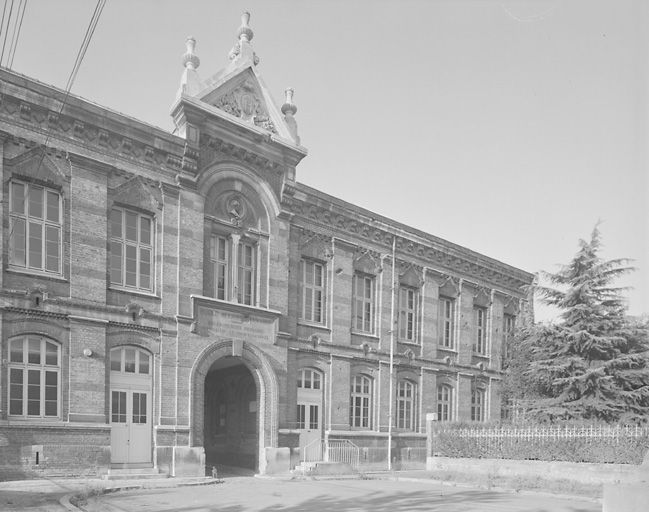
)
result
[(361, 402), (34, 377), (444, 402), (406, 409)]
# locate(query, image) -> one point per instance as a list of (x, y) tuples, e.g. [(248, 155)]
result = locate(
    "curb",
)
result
[(66, 502), (507, 490)]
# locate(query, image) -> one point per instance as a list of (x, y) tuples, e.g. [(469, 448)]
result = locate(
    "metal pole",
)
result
[(392, 328)]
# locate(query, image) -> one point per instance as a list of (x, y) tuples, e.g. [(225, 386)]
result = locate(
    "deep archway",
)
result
[(254, 403), (230, 415)]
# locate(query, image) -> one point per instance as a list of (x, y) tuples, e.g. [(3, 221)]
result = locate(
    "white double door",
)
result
[(130, 412), (309, 419)]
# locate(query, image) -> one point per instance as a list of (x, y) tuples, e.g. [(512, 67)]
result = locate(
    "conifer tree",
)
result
[(594, 363)]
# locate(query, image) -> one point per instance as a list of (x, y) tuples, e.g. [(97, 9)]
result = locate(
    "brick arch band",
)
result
[(265, 382)]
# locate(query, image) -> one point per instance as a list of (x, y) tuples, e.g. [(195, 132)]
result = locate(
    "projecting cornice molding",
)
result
[(342, 220), (35, 106)]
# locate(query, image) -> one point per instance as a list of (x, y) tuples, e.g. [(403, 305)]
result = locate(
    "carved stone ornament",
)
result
[(243, 102), (367, 261), (314, 245), (411, 275), (236, 209)]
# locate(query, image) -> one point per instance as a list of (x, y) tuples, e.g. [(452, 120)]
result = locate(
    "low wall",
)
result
[(582, 472)]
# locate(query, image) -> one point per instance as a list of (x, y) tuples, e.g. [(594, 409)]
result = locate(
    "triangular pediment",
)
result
[(36, 163), (240, 92), (135, 192)]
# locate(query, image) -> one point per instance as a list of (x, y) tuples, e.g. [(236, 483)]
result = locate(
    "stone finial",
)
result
[(190, 82), (245, 32), (190, 59), (289, 108), (242, 51)]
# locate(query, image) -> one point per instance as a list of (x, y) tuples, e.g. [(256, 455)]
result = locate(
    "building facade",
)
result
[(180, 300)]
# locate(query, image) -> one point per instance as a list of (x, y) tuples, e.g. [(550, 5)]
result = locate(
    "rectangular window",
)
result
[(480, 344), (406, 394), (446, 323), (34, 377), (509, 324), (35, 227), (246, 273), (408, 314), (360, 402), (131, 249), (118, 407), (301, 415), (139, 407), (312, 289), (363, 304), (477, 405), (313, 417), (219, 256)]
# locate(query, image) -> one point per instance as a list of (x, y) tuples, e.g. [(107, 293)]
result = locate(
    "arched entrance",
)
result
[(230, 426), (234, 400)]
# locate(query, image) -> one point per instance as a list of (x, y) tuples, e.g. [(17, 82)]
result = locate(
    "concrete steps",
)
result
[(322, 468)]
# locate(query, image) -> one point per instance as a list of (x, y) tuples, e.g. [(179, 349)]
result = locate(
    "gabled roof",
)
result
[(238, 90)]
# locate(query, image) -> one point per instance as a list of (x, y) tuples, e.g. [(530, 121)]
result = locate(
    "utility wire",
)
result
[(17, 33), (4, 42), (2, 23), (75, 69)]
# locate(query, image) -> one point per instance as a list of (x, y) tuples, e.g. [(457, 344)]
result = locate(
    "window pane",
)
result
[(116, 360), (15, 391), (35, 202), (16, 351), (130, 273), (17, 242), (34, 351), (51, 354), (51, 393), (33, 392), (145, 269), (145, 230), (131, 226), (116, 262), (129, 360), (144, 362), (313, 417), (17, 198), (52, 249), (116, 223), (53, 207), (35, 245), (316, 380)]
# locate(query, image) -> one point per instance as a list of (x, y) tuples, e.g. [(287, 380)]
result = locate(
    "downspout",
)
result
[(331, 326), (390, 405)]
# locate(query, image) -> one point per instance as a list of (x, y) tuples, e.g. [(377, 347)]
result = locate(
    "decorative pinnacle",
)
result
[(245, 33), (289, 108), (190, 59)]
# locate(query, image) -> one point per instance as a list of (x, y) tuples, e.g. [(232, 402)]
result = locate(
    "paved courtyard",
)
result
[(243, 494)]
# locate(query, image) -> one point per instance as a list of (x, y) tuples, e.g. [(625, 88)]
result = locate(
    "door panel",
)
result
[(130, 426)]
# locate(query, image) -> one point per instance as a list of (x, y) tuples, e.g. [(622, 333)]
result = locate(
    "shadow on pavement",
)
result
[(383, 502)]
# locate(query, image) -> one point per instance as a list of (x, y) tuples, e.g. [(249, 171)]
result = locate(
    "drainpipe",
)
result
[(390, 405)]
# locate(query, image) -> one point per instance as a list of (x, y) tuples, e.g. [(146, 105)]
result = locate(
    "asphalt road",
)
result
[(247, 494)]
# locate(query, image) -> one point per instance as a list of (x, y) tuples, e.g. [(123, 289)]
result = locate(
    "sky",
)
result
[(510, 127)]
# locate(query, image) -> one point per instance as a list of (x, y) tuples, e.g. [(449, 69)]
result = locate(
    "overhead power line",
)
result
[(90, 30), (16, 35), (4, 41)]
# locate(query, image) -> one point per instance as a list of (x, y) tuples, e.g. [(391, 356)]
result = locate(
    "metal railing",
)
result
[(331, 450)]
